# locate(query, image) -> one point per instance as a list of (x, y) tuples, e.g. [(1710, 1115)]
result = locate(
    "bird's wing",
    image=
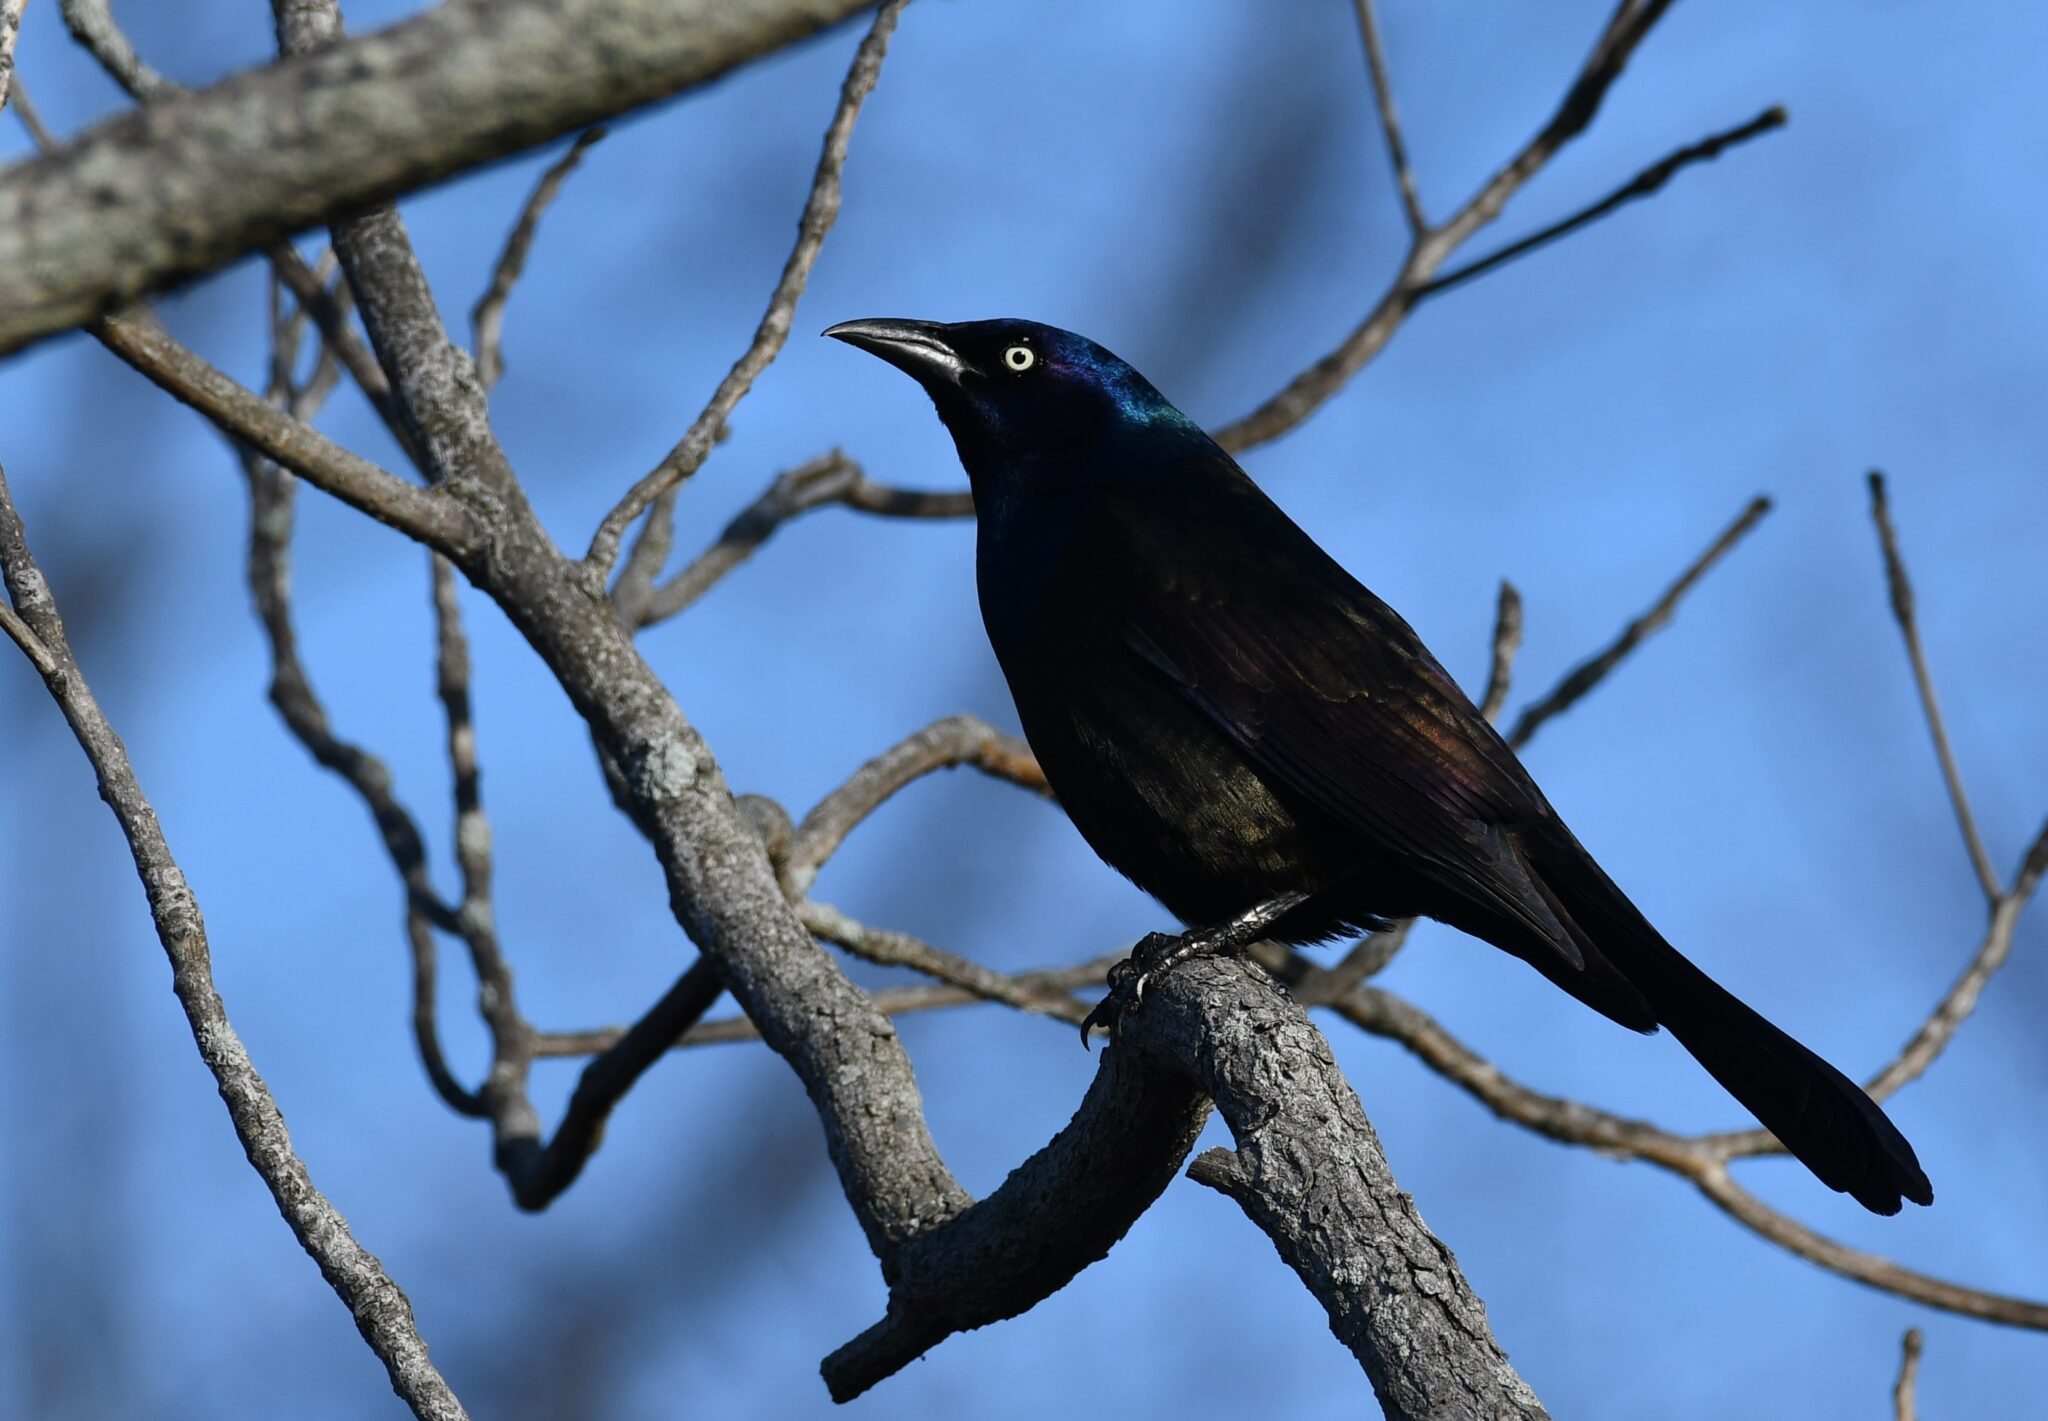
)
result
[(1329, 692)]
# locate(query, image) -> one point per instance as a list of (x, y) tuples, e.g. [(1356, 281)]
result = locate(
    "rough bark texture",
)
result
[(381, 1311), (1308, 1169), (187, 184), (1058, 1212)]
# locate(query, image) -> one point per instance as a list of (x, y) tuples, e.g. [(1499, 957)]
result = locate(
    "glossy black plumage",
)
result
[(1227, 715)]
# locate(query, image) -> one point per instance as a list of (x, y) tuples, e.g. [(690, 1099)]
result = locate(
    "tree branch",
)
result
[(10, 27), (244, 415), (1630, 23), (1644, 184), (381, 1311), (1901, 589), (821, 209), (487, 317), (151, 198), (1905, 1405), (956, 740), (1594, 669), (832, 479), (1390, 119)]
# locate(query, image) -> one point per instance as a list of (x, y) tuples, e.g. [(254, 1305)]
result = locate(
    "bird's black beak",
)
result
[(919, 349)]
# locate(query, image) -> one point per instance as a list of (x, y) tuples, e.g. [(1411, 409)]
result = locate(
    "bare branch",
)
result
[(1905, 1404), (1860, 1267), (147, 199), (10, 27), (956, 740), (487, 317), (832, 479), (1057, 1213), (1507, 640), (419, 513), (271, 505), (1631, 21), (538, 1174), (1390, 119), (31, 645), (1703, 1160), (92, 24), (821, 208), (1644, 184), (894, 949), (38, 131), (892, 1001), (1590, 672), (1909, 628), (379, 1307)]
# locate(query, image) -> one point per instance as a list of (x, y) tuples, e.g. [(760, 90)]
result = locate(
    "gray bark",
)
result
[(187, 184)]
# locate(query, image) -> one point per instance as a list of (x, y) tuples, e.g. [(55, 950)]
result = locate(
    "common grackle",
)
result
[(1236, 724)]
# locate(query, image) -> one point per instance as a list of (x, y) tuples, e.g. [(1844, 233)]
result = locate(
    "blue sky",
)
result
[(1200, 187)]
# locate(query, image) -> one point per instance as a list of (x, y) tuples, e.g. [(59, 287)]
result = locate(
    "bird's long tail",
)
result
[(1821, 1116)]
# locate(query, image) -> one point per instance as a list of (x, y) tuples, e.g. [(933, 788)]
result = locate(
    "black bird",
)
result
[(1237, 725)]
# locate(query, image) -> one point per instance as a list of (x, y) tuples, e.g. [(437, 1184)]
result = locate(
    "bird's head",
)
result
[(1017, 393)]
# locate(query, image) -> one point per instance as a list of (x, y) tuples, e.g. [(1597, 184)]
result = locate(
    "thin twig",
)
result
[(1905, 1399), (1390, 119), (1699, 1160), (92, 25), (272, 501), (894, 949), (956, 740), (820, 210), (1626, 28), (487, 317), (830, 480), (1643, 184), (31, 645), (1594, 669), (1507, 640), (538, 1174), (380, 1309), (1903, 612), (31, 120), (423, 514)]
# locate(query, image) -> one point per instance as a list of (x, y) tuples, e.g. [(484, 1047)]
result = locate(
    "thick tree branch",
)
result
[(1057, 1213), (1213, 1029), (151, 198), (1308, 1169), (10, 27), (379, 1307)]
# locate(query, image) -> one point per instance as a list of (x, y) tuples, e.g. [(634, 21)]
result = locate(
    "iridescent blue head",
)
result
[(1023, 399)]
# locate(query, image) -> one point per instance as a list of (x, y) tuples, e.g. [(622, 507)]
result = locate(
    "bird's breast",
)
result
[(1155, 788)]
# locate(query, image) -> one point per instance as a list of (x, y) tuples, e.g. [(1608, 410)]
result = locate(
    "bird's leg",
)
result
[(1158, 953)]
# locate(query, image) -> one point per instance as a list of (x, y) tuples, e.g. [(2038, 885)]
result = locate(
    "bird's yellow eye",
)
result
[(1020, 358)]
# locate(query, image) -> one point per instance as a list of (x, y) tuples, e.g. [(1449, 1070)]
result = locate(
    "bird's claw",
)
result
[(1127, 981)]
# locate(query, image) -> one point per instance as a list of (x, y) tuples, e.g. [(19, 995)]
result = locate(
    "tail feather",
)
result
[(1821, 1116)]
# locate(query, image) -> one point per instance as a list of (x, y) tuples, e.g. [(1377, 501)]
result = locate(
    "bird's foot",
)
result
[(1155, 954), (1159, 953)]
